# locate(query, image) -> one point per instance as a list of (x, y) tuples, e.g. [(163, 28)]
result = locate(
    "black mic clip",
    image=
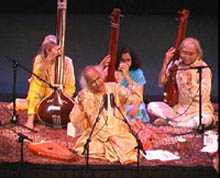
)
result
[(105, 101), (112, 100)]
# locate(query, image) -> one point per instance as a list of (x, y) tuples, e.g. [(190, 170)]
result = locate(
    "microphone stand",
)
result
[(14, 118), (139, 146), (21, 139), (201, 128), (23, 67), (86, 146)]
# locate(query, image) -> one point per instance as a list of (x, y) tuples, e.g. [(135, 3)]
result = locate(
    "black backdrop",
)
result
[(105, 6), (149, 26)]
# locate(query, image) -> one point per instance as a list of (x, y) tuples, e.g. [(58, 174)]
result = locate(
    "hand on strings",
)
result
[(53, 54), (105, 61), (164, 73), (169, 55)]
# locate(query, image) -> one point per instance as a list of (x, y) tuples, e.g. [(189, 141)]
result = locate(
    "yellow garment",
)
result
[(111, 139), (39, 90), (21, 104)]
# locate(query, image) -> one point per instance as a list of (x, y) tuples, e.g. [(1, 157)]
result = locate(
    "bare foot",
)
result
[(29, 125), (30, 121), (160, 122)]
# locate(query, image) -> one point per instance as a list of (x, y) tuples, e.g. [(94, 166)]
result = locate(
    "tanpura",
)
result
[(170, 88), (54, 110), (113, 45)]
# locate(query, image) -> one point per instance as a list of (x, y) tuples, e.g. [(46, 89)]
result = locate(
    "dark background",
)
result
[(149, 26), (137, 7)]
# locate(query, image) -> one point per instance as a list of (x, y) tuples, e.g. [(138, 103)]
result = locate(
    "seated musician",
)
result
[(111, 139), (186, 112), (128, 71), (44, 67)]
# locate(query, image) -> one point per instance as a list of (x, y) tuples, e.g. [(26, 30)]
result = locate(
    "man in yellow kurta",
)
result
[(44, 67), (111, 139)]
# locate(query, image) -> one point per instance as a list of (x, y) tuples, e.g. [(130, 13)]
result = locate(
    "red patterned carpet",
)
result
[(163, 139)]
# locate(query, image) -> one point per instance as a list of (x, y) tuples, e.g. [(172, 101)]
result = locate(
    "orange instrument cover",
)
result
[(170, 89), (52, 149)]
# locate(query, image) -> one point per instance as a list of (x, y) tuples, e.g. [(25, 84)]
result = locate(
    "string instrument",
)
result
[(170, 89), (52, 149), (54, 110), (113, 45)]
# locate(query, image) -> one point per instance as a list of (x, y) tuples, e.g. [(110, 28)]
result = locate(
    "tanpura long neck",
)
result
[(179, 38), (113, 45), (60, 35), (181, 32)]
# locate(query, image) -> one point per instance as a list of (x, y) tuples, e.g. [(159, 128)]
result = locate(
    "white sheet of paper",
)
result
[(162, 155), (209, 149)]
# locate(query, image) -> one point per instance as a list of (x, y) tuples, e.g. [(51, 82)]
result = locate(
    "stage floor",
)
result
[(192, 159)]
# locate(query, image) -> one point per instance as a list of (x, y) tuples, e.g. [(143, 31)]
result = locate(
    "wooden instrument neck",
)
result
[(114, 36), (60, 34), (183, 20)]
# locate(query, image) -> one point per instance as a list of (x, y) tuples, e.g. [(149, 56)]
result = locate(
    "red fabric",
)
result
[(152, 137)]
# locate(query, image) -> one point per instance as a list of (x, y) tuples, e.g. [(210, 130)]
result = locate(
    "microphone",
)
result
[(105, 101), (175, 63), (112, 100)]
